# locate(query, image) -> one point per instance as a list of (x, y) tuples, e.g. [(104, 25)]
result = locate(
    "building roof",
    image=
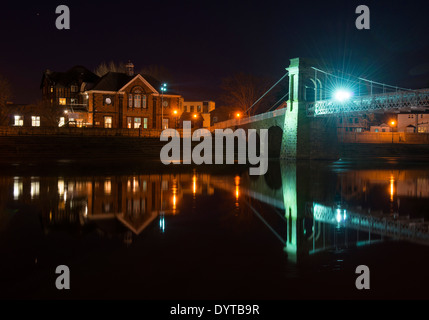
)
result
[(114, 81), (75, 75)]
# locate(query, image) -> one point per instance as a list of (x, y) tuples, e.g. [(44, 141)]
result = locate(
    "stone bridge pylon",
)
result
[(306, 137)]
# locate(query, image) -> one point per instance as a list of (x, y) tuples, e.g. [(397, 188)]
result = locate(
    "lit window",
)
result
[(144, 123), (19, 121), (108, 122), (73, 101), (63, 101), (52, 89), (144, 101), (130, 101), (198, 108), (61, 122), (129, 122), (137, 123), (137, 101), (35, 121)]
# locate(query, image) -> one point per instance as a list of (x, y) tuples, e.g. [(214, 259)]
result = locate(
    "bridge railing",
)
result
[(239, 122), (403, 229), (373, 103)]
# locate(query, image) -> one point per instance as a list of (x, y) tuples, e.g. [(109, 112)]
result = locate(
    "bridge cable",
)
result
[(379, 84), (267, 92), (277, 102)]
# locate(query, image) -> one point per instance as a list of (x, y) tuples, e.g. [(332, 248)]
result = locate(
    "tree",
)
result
[(242, 90), (158, 72), (104, 68), (5, 96), (50, 112)]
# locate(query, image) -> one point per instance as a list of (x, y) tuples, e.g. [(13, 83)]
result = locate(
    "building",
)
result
[(413, 122), (202, 108), (115, 100), (381, 128)]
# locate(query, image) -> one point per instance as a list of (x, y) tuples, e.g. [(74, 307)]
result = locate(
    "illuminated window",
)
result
[(137, 123), (19, 121), (52, 89), (63, 101), (35, 121), (61, 122), (108, 122), (198, 108), (137, 101), (129, 122), (144, 123), (34, 189)]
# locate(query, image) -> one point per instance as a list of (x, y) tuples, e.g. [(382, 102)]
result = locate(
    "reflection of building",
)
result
[(117, 205)]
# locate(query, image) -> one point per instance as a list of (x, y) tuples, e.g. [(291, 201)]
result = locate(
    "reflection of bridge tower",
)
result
[(305, 137), (294, 202)]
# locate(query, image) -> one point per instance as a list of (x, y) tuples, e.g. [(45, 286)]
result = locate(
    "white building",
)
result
[(420, 122)]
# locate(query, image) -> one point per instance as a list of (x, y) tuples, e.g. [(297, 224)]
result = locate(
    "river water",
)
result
[(138, 232)]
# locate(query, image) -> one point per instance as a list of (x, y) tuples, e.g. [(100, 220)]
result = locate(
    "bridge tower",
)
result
[(306, 137)]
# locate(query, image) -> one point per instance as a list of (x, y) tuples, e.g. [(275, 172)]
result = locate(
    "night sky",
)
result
[(202, 42)]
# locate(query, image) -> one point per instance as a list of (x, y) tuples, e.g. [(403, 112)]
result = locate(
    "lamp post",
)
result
[(392, 123), (163, 89), (175, 119)]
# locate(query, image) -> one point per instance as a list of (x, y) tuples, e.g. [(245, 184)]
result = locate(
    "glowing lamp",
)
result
[(342, 95)]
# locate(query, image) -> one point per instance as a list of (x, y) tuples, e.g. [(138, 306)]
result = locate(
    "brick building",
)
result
[(115, 100)]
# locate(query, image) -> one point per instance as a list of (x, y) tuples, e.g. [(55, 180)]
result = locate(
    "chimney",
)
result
[(130, 68)]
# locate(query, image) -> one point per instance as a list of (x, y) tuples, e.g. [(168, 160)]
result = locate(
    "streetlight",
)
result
[(342, 95), (163, 89), (175, 118), (392, 123), (238, 115)]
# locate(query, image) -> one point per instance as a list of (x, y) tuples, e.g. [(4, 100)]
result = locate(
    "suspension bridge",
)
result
[(304, 129)]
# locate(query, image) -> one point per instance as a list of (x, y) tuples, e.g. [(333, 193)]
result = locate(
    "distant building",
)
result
[(203, 108), (352, 124), (417, 121), (381, 128)]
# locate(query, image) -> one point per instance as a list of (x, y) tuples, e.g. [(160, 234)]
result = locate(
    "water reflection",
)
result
[(308, 208)]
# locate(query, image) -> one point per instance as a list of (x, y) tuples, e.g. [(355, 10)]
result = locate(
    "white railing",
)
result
[(380, 102), (239, 122)]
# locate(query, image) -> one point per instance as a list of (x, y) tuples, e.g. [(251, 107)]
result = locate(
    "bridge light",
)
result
[(342, 95)]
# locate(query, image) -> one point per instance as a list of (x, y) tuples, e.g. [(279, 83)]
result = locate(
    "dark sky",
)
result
[(200, 42)]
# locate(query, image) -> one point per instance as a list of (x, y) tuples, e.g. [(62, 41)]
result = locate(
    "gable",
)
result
[(139, 80)]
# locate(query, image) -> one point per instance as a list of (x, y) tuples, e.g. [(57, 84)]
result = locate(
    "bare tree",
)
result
[(5, 96), (104, 68), (158, 72), (242, 90), (51, 113)]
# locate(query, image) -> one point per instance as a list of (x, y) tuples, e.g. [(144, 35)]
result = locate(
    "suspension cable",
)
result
[(267, 92)]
